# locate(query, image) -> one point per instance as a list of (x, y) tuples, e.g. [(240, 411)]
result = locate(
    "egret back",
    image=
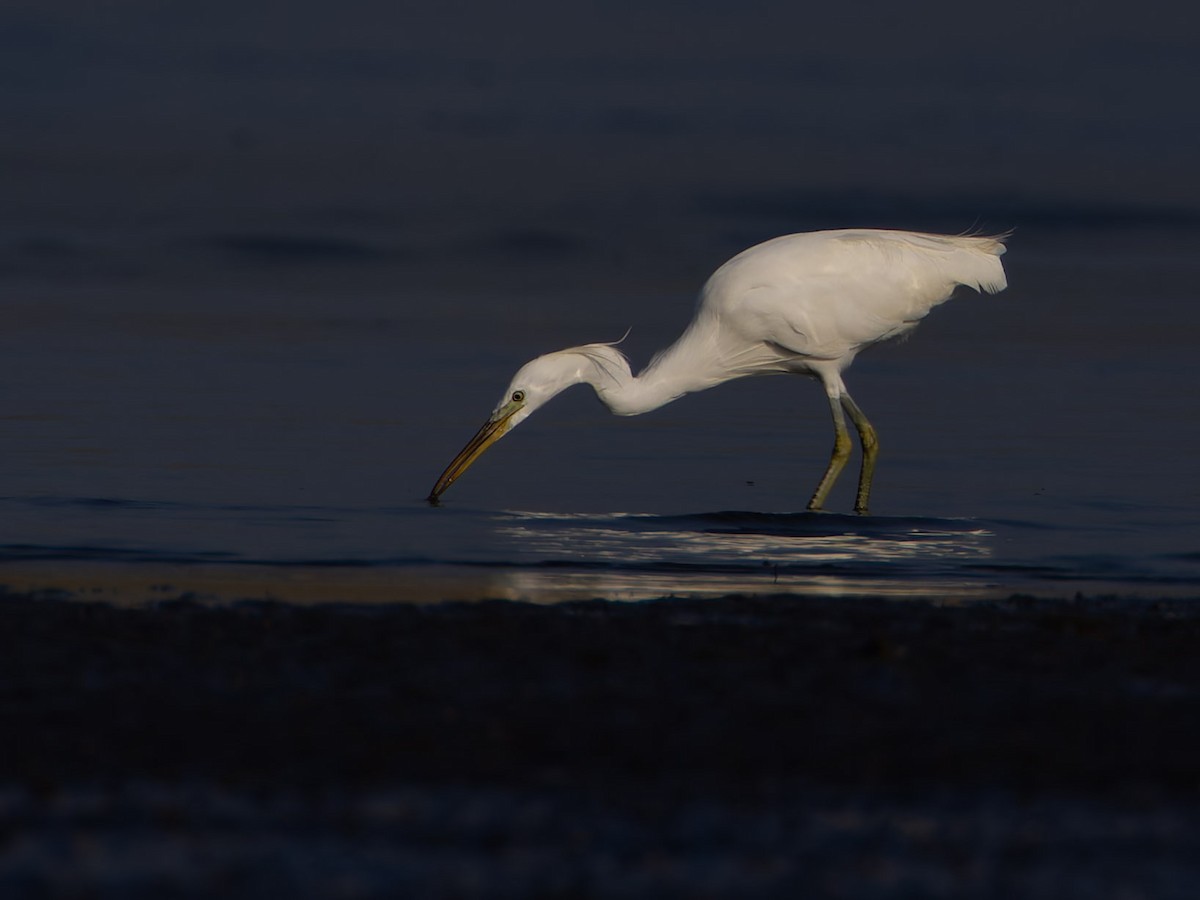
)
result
[(826, 295)]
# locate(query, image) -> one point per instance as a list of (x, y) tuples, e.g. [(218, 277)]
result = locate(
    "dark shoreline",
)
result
[(1083, 694), (754, 707)]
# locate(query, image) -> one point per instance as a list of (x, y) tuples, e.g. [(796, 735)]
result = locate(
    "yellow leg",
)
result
[(870, 450), (837, 461)]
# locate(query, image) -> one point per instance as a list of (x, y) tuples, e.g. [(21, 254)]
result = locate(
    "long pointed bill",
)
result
[(493, 429)]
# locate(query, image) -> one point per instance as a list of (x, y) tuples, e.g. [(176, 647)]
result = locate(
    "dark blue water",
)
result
[(1040, 440), (262, 279)]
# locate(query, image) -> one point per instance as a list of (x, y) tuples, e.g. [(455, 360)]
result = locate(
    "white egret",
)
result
[(803, 304)]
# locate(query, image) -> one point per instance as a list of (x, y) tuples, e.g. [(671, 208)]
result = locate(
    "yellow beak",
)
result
[(493, 429)]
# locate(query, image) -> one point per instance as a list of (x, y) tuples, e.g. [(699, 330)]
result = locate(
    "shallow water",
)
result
[(1040, 440), (249, 324), (194, 429)]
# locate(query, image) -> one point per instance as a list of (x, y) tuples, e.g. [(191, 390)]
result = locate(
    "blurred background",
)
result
[(290, 253)]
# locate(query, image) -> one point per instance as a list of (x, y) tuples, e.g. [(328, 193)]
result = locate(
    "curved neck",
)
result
[(676, 371)]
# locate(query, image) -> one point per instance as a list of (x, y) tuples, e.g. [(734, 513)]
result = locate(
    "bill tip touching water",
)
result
[(803, 304)]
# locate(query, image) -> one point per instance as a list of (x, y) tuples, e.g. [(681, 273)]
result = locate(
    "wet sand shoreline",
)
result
[(753, 710), (841, 688)]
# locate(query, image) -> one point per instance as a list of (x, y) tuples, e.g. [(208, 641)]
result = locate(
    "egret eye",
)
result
[(518, 396)]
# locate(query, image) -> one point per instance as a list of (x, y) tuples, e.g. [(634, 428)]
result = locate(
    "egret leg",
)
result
[(837, 461), (870, 450)]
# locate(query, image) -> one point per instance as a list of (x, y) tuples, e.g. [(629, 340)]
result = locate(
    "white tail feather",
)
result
[(977, 263)]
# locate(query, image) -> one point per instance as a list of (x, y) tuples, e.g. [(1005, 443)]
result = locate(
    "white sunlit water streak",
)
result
[(414, 553), (560, 536), (630, 556)]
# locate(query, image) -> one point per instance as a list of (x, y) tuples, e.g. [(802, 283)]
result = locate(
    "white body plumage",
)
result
[(801, 303)]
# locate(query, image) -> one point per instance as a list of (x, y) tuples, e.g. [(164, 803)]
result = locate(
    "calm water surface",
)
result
[(262, 278), (1040, 440)]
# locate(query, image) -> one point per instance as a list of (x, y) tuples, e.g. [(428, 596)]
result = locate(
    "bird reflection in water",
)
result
[(632, 557)]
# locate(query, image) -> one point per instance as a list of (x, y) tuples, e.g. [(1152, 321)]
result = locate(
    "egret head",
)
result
[(534, 384)]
